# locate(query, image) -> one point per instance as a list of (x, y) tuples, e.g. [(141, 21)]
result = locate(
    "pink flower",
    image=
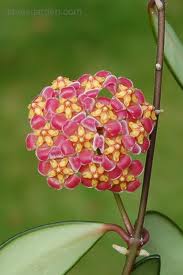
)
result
[(81, 136), (59, 173)]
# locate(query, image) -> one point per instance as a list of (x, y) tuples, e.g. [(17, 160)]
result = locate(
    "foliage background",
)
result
[(33, 51)]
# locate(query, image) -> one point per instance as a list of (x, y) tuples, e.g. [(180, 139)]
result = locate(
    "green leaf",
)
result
[(49, 249), (148, 266), (166, 240), (173, 47), (105, 93)]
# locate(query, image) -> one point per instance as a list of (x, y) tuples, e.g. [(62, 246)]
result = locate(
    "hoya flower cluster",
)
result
[(88, 130)]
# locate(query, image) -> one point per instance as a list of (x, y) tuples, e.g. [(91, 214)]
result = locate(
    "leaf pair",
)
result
[(54, 249)]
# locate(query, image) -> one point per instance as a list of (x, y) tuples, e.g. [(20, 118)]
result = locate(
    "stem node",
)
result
[(158, 67)]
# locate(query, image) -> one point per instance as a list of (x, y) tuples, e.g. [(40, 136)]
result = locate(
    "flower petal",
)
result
[(31, 142), (37, 122), (75, 163), (51, 105), (116, 188), (84, 77), (86, 157), (59, 140), (97, 159), (75, 84), (58, 121), (47, 92), (148, 124), (115, 173), (135, 111), (136, 167), (55, 152), (43, 167), (128, 142), (124, 162), (136, 149), (90, 123), (68, 92), (117, 104), (70, 127), (124, 127), (103, 73), (42, 153), (54, 183), (110, 83), (81, 97), (79, 117), (72, 182), (123, 114), (92, 93), (98, 142), (125, 82), (86, 182), (145, 145), (113, 128), (133, 185), (104, 100), (48, 116), (88, 104), (67, 148), (108, 164), (140, 96), (102, 186)]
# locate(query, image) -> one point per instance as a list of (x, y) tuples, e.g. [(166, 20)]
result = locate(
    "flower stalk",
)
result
[(124, 214), (135, 242)]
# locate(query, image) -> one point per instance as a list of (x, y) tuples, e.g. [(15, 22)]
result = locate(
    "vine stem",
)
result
[(124, 214), (135, 243)]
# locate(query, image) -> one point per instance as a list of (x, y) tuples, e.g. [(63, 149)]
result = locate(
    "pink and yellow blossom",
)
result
[(83, 138)]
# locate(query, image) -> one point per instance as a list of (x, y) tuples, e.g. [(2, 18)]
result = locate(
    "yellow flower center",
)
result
[(137, 131), (69, 107), (114, 148), (124, 179), (149, 112), (60, 169), (61, 82), (103, 113), (92, 82), (46, 135), (96, 174), (82, 139), (36, 107)]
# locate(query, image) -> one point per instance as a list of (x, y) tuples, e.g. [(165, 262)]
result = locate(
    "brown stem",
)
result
[(124, 214), (135, 244)]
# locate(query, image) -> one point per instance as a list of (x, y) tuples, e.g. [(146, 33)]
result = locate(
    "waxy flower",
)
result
[(88, 130)]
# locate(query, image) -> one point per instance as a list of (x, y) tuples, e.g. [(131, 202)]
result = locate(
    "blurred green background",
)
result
[(36, 49)]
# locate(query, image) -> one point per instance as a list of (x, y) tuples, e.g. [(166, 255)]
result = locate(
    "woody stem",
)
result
[(135, 244)]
